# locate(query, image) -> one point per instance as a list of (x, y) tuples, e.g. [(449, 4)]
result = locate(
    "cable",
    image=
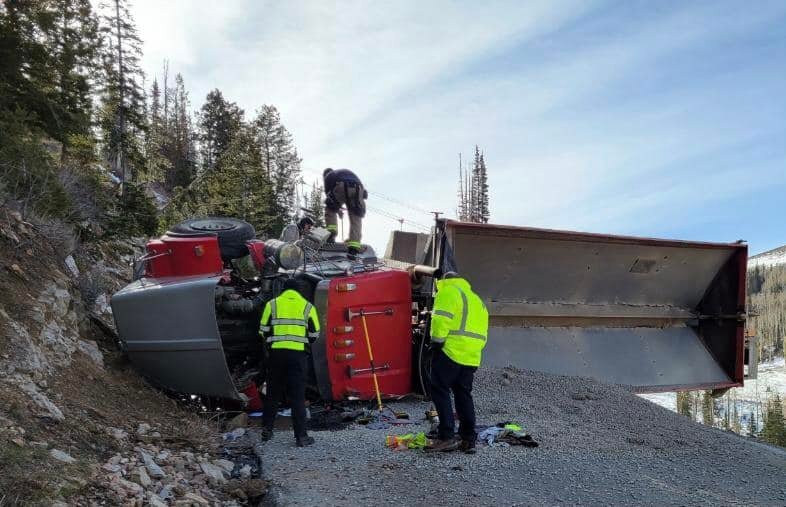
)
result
[(397, 218), (400, 203), (381, 196)]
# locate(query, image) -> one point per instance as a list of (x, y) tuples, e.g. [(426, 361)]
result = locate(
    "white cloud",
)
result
[(387, 89)]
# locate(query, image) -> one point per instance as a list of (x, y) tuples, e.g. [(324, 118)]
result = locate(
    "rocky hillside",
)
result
[(76, 423)]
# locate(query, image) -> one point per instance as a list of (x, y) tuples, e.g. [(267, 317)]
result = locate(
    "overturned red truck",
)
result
[(653, 314)]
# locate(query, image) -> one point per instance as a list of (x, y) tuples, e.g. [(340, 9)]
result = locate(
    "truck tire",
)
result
[(232, 233)]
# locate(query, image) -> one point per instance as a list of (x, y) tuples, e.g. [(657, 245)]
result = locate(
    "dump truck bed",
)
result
[(654, 314)]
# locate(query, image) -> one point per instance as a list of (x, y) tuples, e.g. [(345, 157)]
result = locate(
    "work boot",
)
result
[(304, 441), (266, 434), (443, 445), (468, 447), (353, 252)]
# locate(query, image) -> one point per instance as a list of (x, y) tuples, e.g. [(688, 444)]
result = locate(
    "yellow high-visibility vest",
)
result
[(460, 321), (287, 316)]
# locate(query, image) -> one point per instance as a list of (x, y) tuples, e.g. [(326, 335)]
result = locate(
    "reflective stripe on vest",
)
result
[(462, 330), (287, 338), (443, 313), (287, 322)]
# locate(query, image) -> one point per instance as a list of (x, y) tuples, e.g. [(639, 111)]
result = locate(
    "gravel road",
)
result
[(599, 445)]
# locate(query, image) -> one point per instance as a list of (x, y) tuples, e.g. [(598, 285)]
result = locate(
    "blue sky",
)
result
[(659, 119)]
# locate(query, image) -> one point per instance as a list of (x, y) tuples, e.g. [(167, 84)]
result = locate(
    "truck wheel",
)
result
[(232, 233)]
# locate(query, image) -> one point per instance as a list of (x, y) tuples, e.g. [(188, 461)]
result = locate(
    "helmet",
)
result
[(326, 172), (303, 222), (291, 284)]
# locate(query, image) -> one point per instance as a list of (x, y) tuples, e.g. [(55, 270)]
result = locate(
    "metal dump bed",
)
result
[(650, 313)]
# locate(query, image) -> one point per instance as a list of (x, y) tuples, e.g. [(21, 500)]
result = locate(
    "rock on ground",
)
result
[(62, 456)]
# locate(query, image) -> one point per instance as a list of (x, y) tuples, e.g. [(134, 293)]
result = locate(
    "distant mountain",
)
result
[(769, 258)]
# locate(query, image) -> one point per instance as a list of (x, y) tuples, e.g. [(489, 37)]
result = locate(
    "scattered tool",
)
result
[(371, 360), (362, 314)]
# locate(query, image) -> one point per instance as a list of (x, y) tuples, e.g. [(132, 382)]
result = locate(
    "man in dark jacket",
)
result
[(342, 186)]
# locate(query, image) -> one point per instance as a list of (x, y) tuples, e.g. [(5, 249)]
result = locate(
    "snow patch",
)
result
[(768, 259)]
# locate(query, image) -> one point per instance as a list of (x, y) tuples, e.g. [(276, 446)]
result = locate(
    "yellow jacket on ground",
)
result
[(285, 321), (459, 321)]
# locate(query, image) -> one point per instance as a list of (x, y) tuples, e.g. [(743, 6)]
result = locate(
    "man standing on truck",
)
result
[(342, 186), (288, 323), (459, 329)]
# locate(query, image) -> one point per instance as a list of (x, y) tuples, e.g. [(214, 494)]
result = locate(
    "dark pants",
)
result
[(286, 373), (352, 196), (447, 376)]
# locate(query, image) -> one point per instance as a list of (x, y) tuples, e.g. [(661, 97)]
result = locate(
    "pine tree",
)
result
[(47, 53), (157, 165), (280, 162), (462, 211), (122, 119), (179, 147), (708, 408), (219, 123), (483, 190), (685, 404), (76, 44), (473, 191), (314, 204), (774, 430), (753, 425), (238, 187), (475, 195)]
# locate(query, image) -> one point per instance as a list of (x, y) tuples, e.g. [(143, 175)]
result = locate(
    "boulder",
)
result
[(196, 499), (62, 456), (154, 501), (117, 433), (141, 477), (152, 467), (213, 472), (90, 349), (70, 263), (48, 408), (239, 421), (225, 465)]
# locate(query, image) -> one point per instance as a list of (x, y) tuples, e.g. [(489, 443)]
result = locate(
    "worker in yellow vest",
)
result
[(459, 329), (289, 323)]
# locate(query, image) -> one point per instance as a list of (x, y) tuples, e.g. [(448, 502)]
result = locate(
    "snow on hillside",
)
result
[(750, 398), (769, 258)]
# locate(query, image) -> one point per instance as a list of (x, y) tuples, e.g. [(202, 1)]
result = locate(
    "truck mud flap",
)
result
[(169, 330), (652, 314)]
